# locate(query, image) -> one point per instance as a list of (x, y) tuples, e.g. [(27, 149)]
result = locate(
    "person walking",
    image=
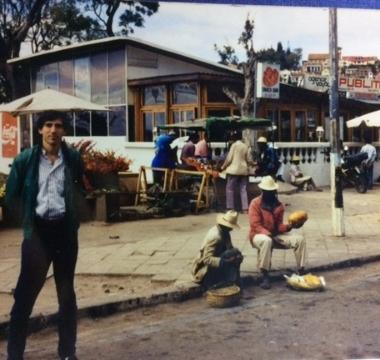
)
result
[(47, 181), (218, 262), (236, 168), (368, 163), (267, 230)]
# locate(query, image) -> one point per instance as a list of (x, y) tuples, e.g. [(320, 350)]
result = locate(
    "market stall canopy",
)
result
[(46, 100), (371, 119), (226, 123)]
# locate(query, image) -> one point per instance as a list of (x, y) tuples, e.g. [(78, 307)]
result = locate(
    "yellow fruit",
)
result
[(297, 218)]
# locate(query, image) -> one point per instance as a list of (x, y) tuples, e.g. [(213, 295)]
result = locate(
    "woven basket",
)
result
[(223, 297)]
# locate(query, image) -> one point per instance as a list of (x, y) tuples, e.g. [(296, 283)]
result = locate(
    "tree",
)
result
[(227, 55), (133, 14), (17, 17), (62, 23), (288, 60), (48, 23), (245, 103)]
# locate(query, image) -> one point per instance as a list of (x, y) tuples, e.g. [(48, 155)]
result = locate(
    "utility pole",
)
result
[(335, 143)]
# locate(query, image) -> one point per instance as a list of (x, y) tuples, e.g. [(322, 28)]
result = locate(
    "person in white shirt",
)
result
[(368, 163)]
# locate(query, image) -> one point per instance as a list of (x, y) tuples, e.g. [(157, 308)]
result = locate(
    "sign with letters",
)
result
[(268, 81)]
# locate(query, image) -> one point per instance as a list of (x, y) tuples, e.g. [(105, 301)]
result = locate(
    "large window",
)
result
[(311, 125), (99, 78), (185, 93), (99, 123), (45, 77), (154, 95), (151, 121), (82, 124), (300, 125), (66, 76), (117, 121), (273, 117), (82, 78), (116, 77), (285, 127), (183, 115)]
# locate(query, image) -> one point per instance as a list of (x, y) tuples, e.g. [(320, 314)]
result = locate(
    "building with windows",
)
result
[(146, 85)]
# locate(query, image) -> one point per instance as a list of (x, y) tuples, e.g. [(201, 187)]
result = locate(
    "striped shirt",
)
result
[(51, 178)]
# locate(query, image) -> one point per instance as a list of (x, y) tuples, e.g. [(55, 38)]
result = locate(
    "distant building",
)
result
[(147, 85)]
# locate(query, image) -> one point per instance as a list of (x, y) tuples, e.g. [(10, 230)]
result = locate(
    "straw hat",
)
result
[(262, 139), (267, 183), (296, 158), (228, 219)]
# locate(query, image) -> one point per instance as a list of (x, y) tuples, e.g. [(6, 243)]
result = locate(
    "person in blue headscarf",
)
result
[(165, 156)]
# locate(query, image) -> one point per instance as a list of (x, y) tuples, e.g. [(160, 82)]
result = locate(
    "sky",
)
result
[(195, 28)]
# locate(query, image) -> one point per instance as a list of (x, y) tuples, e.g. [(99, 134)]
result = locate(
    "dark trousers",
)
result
[(369, 176), (49, 244)]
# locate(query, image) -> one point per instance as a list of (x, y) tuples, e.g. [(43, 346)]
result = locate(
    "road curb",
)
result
[(170, 295)]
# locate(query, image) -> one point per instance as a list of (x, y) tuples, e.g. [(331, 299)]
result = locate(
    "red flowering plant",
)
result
[(101, 167)]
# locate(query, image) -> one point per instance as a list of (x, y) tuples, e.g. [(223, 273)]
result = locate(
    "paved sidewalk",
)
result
[(163, 249)]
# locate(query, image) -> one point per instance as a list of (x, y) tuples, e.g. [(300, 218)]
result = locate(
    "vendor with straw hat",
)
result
[(218, 261), (267, 230)]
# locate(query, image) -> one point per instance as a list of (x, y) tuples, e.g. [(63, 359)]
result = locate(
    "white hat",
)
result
[(262, 139), (267, 183), (228, 219), (296, 158)]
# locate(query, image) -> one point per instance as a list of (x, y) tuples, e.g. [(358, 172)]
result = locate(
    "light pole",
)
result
[(335, 159)]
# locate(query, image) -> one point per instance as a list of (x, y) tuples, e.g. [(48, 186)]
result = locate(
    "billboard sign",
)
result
[(268, 81), (9, 136)]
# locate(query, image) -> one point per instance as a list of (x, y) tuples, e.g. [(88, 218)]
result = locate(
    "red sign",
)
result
[(9, 136), (359, 85)]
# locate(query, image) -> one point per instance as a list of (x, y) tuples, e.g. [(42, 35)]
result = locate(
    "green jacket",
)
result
[(22, 186)]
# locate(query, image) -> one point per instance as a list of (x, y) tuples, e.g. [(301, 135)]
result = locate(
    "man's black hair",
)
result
[(52, 115)]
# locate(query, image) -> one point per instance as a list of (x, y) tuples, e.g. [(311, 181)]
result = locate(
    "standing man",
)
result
[(236, 167), (47, 180), (368, 163), (267, 230)]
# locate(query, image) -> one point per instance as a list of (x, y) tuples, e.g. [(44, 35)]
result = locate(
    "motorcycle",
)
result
[(353, 173)]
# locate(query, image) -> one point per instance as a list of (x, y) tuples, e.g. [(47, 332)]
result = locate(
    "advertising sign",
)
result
[(268, 81), (316, 83), (359, 85), (9, 136)]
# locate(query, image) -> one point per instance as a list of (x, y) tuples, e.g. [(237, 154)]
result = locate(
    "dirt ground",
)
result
[(103, 288), (341, 322)]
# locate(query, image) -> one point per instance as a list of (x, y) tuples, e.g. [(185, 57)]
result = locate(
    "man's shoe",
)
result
[(265, 283), (301, 271), (71, 357)]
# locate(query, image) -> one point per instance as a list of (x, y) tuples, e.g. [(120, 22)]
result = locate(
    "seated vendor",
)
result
[(188, 151), (298, 179), (165, 157), (218, 261)]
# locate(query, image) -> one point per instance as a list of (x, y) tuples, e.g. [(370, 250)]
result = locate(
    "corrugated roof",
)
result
[(131, 41)]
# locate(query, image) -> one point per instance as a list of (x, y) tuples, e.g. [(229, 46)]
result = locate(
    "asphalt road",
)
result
[(339, 323)]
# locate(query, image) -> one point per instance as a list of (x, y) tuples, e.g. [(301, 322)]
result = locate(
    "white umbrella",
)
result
[(370, 119), (46, 100)]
